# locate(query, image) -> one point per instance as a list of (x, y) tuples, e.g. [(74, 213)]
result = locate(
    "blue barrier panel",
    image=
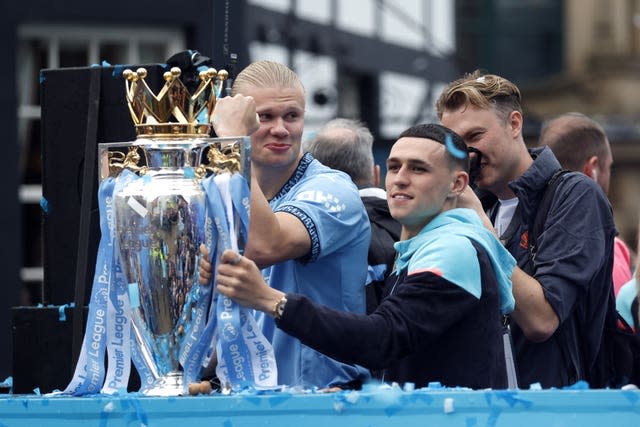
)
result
[(370, 407)]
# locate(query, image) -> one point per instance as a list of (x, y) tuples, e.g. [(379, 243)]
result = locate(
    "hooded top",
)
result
[(433, 250), (439, 319)]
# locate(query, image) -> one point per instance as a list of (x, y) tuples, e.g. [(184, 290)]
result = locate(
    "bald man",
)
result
[(580, 144)]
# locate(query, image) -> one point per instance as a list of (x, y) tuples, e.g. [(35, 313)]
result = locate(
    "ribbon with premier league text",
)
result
[(201, 333), (245, 356), (106, 304), (118, 312)]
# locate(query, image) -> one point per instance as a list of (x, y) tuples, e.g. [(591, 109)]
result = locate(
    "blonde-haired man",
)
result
[(562, 285), (309, 230)]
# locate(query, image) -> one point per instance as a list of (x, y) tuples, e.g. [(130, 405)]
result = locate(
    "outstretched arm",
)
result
[(413, 318), (240, 279)]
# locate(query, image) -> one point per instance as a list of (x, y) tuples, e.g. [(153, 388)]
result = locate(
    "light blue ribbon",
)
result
[(234, 350), (119, 332), (89, 372), (202, 330)]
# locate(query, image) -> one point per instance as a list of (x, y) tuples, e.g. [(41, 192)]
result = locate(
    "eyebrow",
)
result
[(286, 108), (474, 129), (410, 162)]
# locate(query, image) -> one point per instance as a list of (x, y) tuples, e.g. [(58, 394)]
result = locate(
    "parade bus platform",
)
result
[(375, 405)]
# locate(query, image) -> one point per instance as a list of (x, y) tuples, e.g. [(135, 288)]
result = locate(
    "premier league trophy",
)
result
[(159, 212), (158, 204), (160, 217)]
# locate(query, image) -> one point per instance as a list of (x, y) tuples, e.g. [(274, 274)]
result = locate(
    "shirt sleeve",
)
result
[(423, 308), (574, 245), (329, 207)]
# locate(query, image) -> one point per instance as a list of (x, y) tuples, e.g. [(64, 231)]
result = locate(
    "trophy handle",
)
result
[(118, 161)]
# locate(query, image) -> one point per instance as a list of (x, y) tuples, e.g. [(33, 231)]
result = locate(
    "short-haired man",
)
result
[(564, 290), (308, 228), (440, 319), (580, 144), (347, 145)]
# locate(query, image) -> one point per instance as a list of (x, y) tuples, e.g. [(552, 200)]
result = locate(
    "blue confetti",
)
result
[(140, 414), (7, 383), (580, 385), (452, 149), (494, 414), (511, 397), (189, 173), (392, 409), (44, 205), (105, 63), (277, 400), (421, 397), (134, 295), (631, 395), (62, 317), (117, 70)]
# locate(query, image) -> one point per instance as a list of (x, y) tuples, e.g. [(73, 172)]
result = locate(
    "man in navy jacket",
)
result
[(440, 318), (562, 285)]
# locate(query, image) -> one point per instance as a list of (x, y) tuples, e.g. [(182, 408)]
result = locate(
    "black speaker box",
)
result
[(80, 108), (42, 347)]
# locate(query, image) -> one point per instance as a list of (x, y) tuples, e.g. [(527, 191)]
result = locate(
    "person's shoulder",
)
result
[(321, 177), (453, 248), (577, 179), (574, 185), (580, 201), (444, 257), (317, 169)]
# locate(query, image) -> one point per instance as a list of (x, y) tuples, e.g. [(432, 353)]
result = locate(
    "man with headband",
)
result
[(440, 317)]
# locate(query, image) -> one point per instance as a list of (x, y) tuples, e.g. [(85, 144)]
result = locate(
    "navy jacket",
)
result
[(385, 231), (427, 330), (573, 264)]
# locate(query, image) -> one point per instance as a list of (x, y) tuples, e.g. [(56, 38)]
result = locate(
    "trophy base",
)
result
[(169, 385)]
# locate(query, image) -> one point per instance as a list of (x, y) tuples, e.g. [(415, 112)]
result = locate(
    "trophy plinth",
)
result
[(171, 384)]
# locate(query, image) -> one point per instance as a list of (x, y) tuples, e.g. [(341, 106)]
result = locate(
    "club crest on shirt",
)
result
[(524, 240), (328, 200)]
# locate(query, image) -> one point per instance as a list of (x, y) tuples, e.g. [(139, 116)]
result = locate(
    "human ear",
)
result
[(460, 182), (515, 123), (376, 175), (591, 168)]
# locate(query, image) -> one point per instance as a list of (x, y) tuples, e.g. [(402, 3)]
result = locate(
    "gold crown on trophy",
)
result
[(174, 111)]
